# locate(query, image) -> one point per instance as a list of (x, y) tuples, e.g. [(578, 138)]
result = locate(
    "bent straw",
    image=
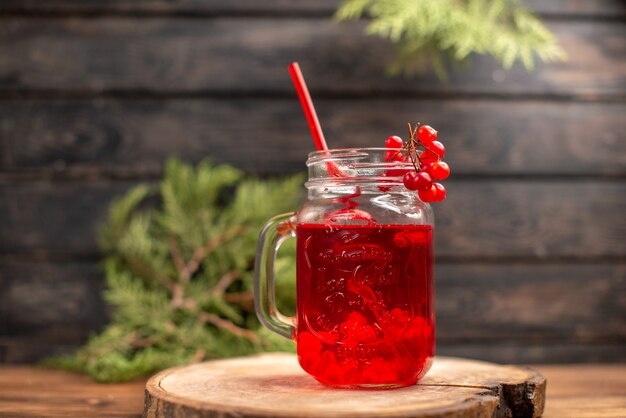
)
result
[(311, 115)]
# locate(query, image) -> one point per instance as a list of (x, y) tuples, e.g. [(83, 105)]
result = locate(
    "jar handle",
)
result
[(274, 233)]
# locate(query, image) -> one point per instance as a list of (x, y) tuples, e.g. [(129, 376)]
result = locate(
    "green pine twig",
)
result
[(430, 33)]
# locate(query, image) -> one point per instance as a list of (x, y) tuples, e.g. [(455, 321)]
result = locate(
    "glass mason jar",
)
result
[(365, 314)]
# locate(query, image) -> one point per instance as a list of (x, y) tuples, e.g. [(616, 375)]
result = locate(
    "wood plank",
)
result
[(569, 396), (575, 380), (33, 392), (536, 352), (213, 7), (530, 302), (20, 384), (527, 312), (605, 8), (495, 218), (536, 219), (133, 137), (45, 217), (57, 302), (226, 55), (30, 349), (587, 407)]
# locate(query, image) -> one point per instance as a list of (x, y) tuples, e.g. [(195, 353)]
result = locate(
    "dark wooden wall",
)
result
[(531, 242)]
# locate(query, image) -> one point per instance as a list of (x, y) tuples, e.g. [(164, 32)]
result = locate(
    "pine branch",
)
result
[(202, 252), (242, 298), (225, 282), (428, 33), (228, 326), (183, 272), (179, 275)]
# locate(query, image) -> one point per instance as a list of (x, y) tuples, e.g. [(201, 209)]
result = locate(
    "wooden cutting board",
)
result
[(273, 385)]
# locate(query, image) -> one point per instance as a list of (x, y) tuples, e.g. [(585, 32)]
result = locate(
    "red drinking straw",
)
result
[(307, 106), (311, 116)]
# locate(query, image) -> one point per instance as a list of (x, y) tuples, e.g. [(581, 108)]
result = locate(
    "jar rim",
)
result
[(321, 155), (343, 167)]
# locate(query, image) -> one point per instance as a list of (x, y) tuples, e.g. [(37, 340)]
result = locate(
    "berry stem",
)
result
[(411, 146)]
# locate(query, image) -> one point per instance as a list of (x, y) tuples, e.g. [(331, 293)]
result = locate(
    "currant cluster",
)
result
[(428, 165)]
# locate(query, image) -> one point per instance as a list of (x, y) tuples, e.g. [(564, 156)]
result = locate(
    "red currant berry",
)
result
[(428, 195), (394, 156), (394, 142), (427, 157), (410, 180), (426, 135), (438, 170), (424, 181), (440, 192), (438, 148)]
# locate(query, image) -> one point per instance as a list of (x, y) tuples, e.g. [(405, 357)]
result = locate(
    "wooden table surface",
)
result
[(582, 390)]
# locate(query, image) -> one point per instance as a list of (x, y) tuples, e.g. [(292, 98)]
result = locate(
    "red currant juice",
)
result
[(365, 303)]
